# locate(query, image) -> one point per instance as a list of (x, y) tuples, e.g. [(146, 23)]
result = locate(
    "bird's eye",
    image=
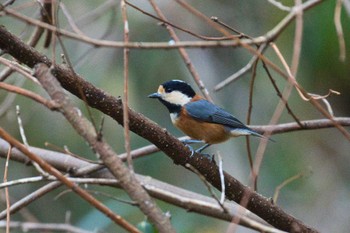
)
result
[(168, 89)]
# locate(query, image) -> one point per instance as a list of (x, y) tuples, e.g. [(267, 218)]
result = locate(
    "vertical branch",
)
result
[(298, 38), (7, 196), (288, 89), (339, 28), (126, 86), (281, 105), (250, 108), (54, 35)]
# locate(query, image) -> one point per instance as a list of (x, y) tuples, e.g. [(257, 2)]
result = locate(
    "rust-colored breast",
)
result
[(208, 132)]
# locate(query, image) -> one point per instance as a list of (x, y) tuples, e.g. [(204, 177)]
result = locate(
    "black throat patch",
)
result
[(173, 108)]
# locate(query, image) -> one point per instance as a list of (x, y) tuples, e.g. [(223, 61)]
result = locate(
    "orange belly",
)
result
[(208, 132)]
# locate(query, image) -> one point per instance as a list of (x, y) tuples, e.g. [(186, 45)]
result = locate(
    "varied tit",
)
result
[(198, 118)]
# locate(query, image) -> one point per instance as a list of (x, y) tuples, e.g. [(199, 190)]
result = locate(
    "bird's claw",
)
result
[(210, 157), (190, 148), (198, 151)]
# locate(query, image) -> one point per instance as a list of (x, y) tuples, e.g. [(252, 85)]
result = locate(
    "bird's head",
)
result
[(174, 94)]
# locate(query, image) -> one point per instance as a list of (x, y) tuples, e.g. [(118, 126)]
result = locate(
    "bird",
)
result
[(198, 118)]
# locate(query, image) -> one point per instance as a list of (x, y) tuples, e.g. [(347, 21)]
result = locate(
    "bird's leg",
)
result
[(200, 149), (186, 142), (189, 141)]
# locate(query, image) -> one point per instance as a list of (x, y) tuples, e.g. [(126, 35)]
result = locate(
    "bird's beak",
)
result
[(154, 96)]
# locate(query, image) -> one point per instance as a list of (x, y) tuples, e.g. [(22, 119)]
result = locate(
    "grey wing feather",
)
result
[(206, 111)]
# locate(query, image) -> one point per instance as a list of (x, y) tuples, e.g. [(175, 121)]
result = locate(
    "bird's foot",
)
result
[(210, 157), (186, 142), (190, 148)]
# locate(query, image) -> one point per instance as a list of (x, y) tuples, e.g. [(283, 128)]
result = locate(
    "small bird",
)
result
[(198, 118)]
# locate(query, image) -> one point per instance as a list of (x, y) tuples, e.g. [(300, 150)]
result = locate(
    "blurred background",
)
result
[(320, 199)]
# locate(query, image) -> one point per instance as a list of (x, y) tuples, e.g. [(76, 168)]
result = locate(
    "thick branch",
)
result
[(152, 132)]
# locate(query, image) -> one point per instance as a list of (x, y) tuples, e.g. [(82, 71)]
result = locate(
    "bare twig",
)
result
[(236, 76), (7, 195), (14, 66), (339, 28), (183, 54), (178, 27), (207, 184), (279, 94), (279, 5), (250, 108), (284, 183), (304, 125), (126, 52), (70, 19), (29, 94), (222, 178), (20, 125), (19, 205), (43, 227), (25, 141)]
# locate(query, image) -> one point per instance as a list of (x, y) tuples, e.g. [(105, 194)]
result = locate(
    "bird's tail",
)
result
[(261, 136), (246, 132)]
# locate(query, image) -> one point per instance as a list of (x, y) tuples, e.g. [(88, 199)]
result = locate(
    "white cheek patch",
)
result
[(177, 98)]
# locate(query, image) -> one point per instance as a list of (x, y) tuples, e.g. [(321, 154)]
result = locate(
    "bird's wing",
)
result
[(206, 111)]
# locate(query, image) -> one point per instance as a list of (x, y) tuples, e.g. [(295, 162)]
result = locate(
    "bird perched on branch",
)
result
[(198, 118)]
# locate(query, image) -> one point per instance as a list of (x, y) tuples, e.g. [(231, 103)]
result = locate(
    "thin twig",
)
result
[(207, 184), (164, 21), (70, 19), (183, 54), (7, 195), (339, 29), (25, 141), (236, 76), (11, 88), (284, 183), (43, 227), (279, 5), (206, 19), (126, 52), (20, 69), (279, 94), (20, 125), (250, 109), (222, 178)]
